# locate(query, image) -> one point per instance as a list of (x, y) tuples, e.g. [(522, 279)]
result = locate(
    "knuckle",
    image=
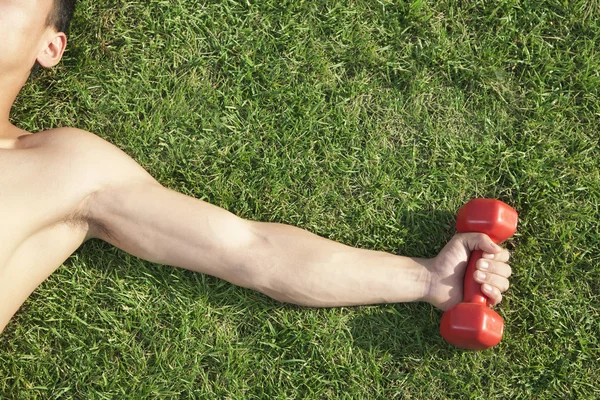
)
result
[(499, 283), (502, 269)]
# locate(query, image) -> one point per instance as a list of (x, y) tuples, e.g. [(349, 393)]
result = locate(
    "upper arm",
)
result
[(166, 227), (128, 208)]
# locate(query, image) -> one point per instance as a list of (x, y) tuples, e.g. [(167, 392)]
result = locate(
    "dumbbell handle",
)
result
[(472, 289)]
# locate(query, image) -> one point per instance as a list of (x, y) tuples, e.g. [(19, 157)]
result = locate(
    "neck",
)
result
[(10, 86)]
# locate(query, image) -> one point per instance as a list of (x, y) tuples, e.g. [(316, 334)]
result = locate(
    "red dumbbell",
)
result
[(472, 324)]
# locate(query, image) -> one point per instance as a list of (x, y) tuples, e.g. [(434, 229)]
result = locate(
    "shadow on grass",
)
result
[(400, 331), (409, 330)]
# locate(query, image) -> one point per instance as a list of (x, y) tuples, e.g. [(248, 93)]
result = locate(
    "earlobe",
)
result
[(53, 52)]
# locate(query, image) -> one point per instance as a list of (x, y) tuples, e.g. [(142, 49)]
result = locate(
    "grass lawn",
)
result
[(367, 122)]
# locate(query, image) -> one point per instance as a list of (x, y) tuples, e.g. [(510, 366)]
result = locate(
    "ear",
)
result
[(53, 51)]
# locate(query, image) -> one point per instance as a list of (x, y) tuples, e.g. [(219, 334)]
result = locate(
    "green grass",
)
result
[(368, 122)]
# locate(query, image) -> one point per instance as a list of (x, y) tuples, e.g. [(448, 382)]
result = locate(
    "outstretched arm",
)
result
[(132, 211)]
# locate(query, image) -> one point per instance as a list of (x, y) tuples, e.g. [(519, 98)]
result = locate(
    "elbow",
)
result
[(269, 269), (255, 261), (248, 252), (258, 266)]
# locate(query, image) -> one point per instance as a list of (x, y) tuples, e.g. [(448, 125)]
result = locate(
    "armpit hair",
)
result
[(80, 219)]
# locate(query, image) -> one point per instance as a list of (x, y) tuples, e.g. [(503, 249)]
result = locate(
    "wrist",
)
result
[(427, 279), (418, 286)]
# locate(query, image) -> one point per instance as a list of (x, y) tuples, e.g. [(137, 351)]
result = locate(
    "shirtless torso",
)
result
[(45, 186)]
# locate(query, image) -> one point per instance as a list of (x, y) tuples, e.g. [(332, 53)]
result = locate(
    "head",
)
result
[(32, 31)]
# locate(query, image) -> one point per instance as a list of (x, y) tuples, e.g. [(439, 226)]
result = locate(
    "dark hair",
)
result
[(60, 18), (61, 14)]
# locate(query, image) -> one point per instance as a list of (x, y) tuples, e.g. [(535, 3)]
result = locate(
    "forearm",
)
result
[(299, 267)]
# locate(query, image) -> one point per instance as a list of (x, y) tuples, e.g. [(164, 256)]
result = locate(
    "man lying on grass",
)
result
[(62, 187)]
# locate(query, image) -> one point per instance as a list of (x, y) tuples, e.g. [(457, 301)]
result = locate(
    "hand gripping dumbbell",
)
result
[(472, 324)]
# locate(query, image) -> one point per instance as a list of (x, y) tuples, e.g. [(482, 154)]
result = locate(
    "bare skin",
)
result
[(62, 187)]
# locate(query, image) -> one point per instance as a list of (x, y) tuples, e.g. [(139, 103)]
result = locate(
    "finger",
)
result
[(480, 241), (494, 267), (503, 256), (492, 293), (497, 281)]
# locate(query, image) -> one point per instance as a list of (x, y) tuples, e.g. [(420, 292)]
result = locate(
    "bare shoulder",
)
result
[(47, 200), (85, 156), (92, 170), (75, 166)]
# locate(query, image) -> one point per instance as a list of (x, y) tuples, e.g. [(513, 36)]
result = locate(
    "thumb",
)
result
[(480, 241)]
